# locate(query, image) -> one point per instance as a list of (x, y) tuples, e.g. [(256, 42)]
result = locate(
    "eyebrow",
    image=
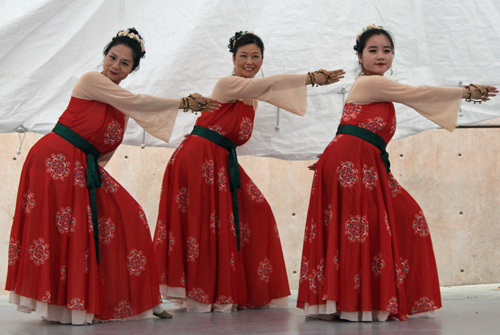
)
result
[(374, 46)]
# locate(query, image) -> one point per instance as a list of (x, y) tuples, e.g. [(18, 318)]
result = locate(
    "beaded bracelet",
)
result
[(484, 94)]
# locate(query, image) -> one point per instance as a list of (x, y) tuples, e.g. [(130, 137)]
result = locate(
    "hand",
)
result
[(313, 166), (197, 102), (480, 92), (324, 77)]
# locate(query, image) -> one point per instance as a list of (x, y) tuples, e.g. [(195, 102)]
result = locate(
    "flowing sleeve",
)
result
[(438, 104), (286, 91), (156, 115)]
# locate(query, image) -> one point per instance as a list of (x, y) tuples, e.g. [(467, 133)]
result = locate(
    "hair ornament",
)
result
[(133, 36), (372, 26)]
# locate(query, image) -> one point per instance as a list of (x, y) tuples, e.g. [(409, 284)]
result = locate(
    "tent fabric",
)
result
[(48, 44)]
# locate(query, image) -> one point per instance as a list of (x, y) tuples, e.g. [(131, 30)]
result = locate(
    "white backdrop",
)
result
[(46, 45)]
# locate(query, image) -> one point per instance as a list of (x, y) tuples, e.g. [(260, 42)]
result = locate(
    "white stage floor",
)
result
[(466, 310)]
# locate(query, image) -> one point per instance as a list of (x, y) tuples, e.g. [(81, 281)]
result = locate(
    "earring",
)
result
[(262, 72), (391, 71)]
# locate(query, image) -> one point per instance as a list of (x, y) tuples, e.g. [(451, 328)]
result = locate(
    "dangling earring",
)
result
[(233, 74), (262, 72), (391, 71)]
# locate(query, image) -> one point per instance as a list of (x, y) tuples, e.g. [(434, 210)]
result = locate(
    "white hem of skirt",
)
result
[(178, 296), (63, 315), (329, 310)]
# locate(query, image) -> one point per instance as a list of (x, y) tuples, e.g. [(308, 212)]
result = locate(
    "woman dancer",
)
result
[(76, 258), (367, 250), (216, 238)]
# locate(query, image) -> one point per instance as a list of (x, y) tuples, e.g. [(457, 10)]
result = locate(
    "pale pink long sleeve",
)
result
[(286, 91), (438, 104), (156, 115)]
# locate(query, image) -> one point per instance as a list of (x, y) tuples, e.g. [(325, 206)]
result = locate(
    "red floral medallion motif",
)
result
[(336, 260), (76, 304), (199, 295), (327, 217), (46, 298), (136, 262), (255, 192), (124, 310), (377, 265), (183, 199), (222, 180), (348, 175), (171, 242), (393, 126), (106, 230), (183, 280), (335, 139), (264, 270), (423, 305), (79, 175), (317, 276), (420, 225), (14, 251), (370, 177), (217, 129), (405, 267), (393, 307), (63, 273), (311, 231), (57, 166), (208, 172), (245, 233), (357, 282), (108, 183), (393, 185), (174, 155), (223, 300), (357, 228), (39, 251), (65, 222), (114, 134), (164, 278), (161, 232), (246, 129), (89, 219), (232, 262), (374, 125), (214, 223), (350, 111), (387, 225), (304, 270), (28, 202), (398, 275), (193, 249), (143, 218)]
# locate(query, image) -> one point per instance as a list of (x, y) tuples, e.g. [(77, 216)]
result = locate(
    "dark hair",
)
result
[(365, 36), (125, 39), (242, 38)]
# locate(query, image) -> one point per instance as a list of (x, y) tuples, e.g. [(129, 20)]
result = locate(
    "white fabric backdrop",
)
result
[(48, 44)]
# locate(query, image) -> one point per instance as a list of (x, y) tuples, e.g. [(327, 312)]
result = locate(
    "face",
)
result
[(247, 61), (118, 63), (377, 56)]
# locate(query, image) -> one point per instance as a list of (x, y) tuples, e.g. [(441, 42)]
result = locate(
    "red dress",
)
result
[(52, 258), (367, 250), (195, 240)]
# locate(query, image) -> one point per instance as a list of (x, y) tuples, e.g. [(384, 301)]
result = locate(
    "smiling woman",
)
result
[(216, 239), (80, 247), (367, 252)]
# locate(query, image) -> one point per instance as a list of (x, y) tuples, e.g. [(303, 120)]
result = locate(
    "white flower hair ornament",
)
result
[(133, 36)]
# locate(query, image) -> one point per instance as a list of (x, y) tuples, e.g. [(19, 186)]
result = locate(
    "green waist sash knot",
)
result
[(233, 167), (369, 137), (93, 173)]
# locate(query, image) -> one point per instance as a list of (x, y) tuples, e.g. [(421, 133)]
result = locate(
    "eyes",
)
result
[(124, 63), (386, 51), (244, 56)]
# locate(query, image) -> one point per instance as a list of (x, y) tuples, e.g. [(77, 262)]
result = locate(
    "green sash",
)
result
[(233, 167), (369, 137), (93, 173)]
